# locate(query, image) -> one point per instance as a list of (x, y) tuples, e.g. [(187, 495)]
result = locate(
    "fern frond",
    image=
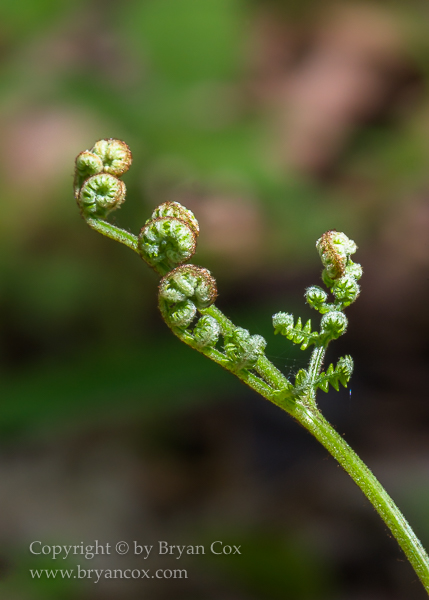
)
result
[(298, 334), (334, 376)]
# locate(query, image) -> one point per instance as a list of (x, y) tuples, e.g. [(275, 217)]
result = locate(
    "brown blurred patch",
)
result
[(325, 79), (36, 149)]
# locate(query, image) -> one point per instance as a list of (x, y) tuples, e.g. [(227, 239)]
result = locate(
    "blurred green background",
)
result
[(273, 121)]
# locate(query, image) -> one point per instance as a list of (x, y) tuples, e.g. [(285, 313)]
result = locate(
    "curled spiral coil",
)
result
[(175, 210), (97, 188), (100, 194), (86, 164), (243, 349), (169, 237), (335, 249), (183, 291), (115, 155), (189, 289)]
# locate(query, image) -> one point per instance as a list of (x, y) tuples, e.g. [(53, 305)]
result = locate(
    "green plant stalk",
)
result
[(114, 233), (242, 354), (317, 425)]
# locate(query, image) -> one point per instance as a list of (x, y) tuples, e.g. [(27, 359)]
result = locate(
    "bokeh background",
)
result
[(273, 121)]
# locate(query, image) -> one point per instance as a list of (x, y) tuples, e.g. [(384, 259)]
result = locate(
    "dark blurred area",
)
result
[(273, 121)]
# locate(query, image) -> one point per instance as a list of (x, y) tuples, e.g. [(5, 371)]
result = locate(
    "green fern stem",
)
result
[(318, 426), (114, 233), (167, 241), (316, 362), (264, 367), (314, 369)]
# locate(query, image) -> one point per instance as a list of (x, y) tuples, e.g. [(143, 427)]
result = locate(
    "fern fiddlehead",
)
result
[(186, 298)]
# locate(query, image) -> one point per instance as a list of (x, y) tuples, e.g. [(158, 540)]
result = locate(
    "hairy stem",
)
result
[(309, 416), (315, 365), (271, 374), (114, 233), (167, 241), (263, 367), (316, 424)]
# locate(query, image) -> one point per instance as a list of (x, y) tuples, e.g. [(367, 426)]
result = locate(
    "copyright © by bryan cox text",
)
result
[(88, 551)]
